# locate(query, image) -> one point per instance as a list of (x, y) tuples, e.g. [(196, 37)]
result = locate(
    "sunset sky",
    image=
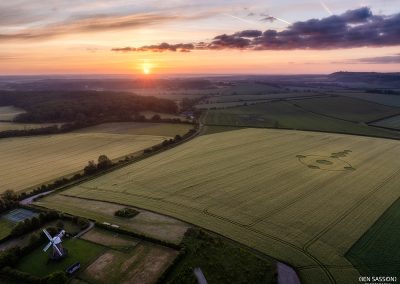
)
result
[(198, 37)]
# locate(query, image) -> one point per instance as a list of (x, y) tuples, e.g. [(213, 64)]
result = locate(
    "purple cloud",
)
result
[(352, 29)]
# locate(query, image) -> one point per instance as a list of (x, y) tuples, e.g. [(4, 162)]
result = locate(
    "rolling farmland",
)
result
[(31, 161), (389, 100), (301, 197), (321, 114), (349, 109)]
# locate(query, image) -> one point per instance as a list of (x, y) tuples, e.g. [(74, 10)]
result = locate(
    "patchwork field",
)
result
[(144, 265), (225, 101), (322, 114), (30, 161), (126, 260), (8, 113), (301, 197)]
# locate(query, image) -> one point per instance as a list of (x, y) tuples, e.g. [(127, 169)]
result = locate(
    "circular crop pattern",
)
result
[(327, 163)]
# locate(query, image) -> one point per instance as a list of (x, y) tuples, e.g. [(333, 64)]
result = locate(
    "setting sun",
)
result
[(146, 70)]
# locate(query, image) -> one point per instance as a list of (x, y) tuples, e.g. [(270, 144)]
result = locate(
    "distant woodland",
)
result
[(82, 106)]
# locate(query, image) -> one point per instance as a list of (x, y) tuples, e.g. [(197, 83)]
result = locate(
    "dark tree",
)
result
[(103, 162), (91, 168)]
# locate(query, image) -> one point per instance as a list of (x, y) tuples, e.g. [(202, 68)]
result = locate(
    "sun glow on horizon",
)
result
[(146, 68)]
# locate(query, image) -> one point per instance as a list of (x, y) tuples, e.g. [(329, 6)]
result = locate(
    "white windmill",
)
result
[(55, 242)]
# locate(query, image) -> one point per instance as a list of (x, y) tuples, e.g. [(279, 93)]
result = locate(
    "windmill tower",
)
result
[(55, 242)]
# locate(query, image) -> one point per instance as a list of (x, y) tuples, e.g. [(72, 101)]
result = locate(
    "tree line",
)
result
[(72, 106)]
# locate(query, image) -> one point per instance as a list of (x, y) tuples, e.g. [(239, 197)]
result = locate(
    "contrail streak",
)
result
[(282, 20), (326, 7), (254, 23), (240, 19)]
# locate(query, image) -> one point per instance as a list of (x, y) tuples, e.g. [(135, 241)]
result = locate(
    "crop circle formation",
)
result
[(334, 162)]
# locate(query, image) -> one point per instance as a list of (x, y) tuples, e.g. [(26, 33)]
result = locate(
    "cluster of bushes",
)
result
[(220, 260), (103, 163), (8, 200), (171, 268), (167, 143), (44, 217), (81, 222), (34, 223), (10, 258), (126, 213), (23, 277), (48, 130), (154, 118)]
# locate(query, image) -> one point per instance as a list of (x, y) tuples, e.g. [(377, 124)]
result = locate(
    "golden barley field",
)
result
[(31, 161), (301, 197)]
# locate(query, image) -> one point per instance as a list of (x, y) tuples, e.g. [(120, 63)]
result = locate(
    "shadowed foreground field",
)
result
[(301, 197), (370, 256)]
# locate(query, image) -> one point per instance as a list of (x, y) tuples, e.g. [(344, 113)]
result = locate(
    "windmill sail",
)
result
[(47, 247), (48, 235), (55, 242), (57, 250)]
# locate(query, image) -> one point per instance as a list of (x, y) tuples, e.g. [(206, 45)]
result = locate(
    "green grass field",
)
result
[(389, 100), (391, 122), (294, 115), (111, 239), (301, 197), (347, 108), (378, 251), (78, 251), (5, 228), (31, 161)]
